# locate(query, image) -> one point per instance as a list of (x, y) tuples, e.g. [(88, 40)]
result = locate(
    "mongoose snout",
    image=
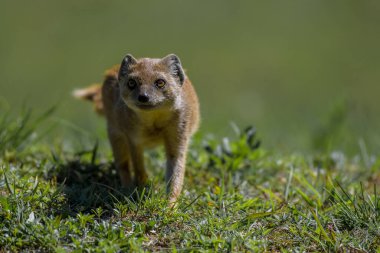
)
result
[(143, 98)]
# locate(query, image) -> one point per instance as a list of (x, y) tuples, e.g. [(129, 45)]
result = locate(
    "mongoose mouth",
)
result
[(146, 106)]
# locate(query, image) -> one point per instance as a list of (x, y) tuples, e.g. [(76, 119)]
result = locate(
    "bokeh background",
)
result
[(305, 73)]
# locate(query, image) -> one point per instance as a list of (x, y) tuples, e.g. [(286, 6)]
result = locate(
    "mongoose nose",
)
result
[(143, 98)]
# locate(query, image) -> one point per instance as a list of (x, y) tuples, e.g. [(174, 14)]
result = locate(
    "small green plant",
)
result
[(357, 210), (230, 154), (16, 134)]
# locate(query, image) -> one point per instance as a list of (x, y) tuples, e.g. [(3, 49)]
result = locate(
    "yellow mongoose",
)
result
[(147, 102)]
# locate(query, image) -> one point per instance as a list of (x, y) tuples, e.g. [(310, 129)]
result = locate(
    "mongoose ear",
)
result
[(125, 64), (174, 64)]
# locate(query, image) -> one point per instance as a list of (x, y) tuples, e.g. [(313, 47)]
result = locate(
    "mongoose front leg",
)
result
[(137, 154), (176, 149), (121, 155)]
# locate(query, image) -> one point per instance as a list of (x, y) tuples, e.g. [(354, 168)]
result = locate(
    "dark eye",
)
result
[(131, 83), (160, 83)]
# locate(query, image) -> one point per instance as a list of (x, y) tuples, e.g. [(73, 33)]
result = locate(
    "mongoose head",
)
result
[(148, 84)]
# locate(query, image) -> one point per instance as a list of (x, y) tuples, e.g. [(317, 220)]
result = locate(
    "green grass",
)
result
[(237, 197)]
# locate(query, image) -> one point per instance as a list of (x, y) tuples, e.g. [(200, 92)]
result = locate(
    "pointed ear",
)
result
[(125, 64), (175, 67)]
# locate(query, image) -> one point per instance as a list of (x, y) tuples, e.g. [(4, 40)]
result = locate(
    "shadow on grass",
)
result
[(88, 185)]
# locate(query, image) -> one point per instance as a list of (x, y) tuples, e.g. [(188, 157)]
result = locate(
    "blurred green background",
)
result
[(305, 73)]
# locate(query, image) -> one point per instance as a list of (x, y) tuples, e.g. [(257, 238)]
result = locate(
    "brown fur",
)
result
[(171, 119)]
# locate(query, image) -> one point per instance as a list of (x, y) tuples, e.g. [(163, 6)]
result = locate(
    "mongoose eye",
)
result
[(131, 83), (160, 83)]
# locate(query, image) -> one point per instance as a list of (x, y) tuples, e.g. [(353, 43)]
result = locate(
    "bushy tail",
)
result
[(93, 94)]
